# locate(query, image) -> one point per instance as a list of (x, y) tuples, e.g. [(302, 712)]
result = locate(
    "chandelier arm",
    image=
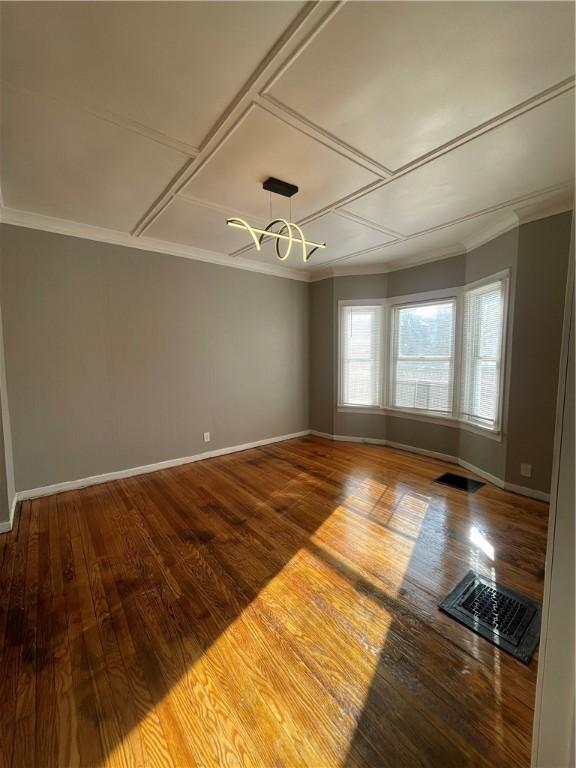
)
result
[(241, 223), (306, 257), (285, 226), (302, 239)]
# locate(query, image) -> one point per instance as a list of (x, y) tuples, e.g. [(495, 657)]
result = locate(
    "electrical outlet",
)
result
[(206, 437), (526, 470)]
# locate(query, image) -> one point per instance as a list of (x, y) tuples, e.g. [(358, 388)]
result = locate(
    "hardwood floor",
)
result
[(276, 607)]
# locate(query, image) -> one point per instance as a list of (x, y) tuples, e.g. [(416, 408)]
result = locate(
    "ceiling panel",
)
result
[(532, 152), (396, 80), (173, 67), (193, 224), (65, 163), (264, 146)]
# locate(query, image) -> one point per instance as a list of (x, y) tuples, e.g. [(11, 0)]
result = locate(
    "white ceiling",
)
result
[(414, 130)]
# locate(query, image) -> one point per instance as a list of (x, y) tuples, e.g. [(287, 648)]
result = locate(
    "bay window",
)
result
[(438, 354)]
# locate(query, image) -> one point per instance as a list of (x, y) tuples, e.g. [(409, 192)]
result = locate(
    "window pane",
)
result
[(485, 389), (360, 334), (481, 345), (359, 379), (361, 340), (425, 331), (423, 384), (424, 348), (489, 308)]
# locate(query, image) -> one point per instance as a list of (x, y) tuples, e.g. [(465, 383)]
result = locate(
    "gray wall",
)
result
[(537, 256), (543, 249), (433, 276), (322, 339), (117, 358), (553, 740)]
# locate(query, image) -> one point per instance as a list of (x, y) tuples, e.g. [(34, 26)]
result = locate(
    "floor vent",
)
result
[(502, 616), (460, 482)]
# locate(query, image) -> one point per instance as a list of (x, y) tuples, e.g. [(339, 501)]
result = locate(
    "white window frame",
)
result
[(393, 355), (504, 278), (384, 334), (435, 417)]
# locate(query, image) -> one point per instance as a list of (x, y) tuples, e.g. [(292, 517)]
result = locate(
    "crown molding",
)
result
[(529, 213), (525, 213), (439, 254), (508, 223), (114, 237)]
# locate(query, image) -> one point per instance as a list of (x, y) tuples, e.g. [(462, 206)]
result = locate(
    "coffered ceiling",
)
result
[(414, 130)]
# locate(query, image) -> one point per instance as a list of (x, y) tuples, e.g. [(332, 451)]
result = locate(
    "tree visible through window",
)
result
[(423, 358)]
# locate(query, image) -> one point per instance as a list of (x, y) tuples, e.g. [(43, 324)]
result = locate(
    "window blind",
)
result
[(361, 338), (481, 354), (423, 356)]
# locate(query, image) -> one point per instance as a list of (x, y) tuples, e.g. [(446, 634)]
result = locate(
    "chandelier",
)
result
[(280, 230)]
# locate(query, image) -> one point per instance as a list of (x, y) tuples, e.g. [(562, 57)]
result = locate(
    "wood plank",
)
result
[(25, 729), (13, 639)]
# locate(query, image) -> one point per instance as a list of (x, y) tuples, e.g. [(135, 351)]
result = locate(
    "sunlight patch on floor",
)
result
[(361, 536), (318, 625), (409, 514), (480, 550), (478, 539), (361, 595)]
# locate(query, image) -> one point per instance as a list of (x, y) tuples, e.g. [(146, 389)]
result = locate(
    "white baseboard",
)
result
[(482, 473), (532, 493), (84, 482), (424, 452), (389, 444), (368, 440), (498, 482), (6, 525), (349, 438), (321, 434), (71, 485)]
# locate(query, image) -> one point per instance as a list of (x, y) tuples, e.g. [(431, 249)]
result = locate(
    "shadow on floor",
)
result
[(118, 590)]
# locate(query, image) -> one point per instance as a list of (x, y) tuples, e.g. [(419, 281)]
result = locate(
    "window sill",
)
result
[(445, 421)]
